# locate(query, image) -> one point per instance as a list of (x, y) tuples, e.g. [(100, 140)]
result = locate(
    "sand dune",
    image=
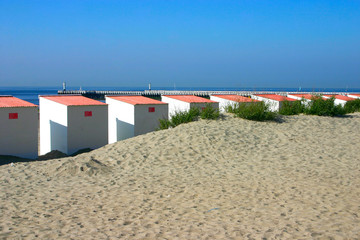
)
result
[(224, 179)]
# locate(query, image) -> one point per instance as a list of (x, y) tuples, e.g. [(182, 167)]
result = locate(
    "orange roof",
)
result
[(306, 96), (74, 100), (134, 100), (190, 98), (275, 97), (340, 97), (236, 98), (10, 101)]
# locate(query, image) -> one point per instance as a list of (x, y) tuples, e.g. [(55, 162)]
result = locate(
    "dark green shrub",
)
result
[(209, 112), (352, 106), (164, 124), (292, 108), (184, 117), (189, 116), (193, 114), (231, 108), (321, 107), (257, 111)]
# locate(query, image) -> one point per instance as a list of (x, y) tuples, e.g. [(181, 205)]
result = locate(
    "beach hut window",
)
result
[(13, 116), (151, 109), (88, 113)]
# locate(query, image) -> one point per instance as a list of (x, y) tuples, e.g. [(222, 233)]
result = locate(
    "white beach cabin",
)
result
[(275, 101), (339, 99), (226, 100), (354, 95), (299, 96), (303, 96), (130, 116), (19, 127), (71, 123), (179, 103)]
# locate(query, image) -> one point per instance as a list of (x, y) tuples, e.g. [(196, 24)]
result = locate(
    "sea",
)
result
[(31, 94)]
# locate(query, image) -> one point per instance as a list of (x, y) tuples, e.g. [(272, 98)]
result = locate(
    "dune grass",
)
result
[(189, 116), (209, 113), (317, 106), (320, 107), (324, 107), (185, 117), (259, 111), (292, 108), (256, 111), (352, 106)]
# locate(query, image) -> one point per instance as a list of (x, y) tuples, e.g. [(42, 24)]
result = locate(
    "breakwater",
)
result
[(100, 95)]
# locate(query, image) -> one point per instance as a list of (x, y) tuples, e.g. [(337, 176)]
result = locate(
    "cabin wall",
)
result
[(87, 127), (53, 126), (121, 120), (147, 117), (19, 137)]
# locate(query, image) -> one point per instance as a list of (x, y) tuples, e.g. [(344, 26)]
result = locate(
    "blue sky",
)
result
[(186, 43)]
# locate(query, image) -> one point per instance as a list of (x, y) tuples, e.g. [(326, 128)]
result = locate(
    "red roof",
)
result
[(74, 100), (353, 94), (10, 101), (276, 97), (134, 100), (236, 98), (340, 97), (190, 98), (306, 96)]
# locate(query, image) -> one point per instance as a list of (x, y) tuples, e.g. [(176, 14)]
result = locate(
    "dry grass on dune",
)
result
[(224, 179)]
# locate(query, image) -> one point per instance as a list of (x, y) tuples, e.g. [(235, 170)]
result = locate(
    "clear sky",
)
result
[(243, 43)]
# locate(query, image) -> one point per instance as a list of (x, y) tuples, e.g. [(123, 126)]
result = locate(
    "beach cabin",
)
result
[(130, 116), (354, 95), (339, 99), (303, 96), (300, 96), (19, 127), (274, 101), (180, 103), (226, 100), (72, 123), (306, 96)]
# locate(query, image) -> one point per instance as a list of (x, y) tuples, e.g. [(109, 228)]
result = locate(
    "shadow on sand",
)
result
[(7, 159)]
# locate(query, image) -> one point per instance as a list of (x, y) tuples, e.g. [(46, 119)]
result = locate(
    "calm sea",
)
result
[(31, 94)]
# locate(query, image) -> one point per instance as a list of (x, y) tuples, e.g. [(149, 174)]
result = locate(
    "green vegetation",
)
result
[(189, 116), (324, 107), (257, 111), (292, 108), (317, 106), (209, 113), (352, 106), (164, 124), (185, 117)]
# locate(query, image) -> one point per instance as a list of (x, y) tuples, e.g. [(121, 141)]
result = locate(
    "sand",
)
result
[(224, 179)]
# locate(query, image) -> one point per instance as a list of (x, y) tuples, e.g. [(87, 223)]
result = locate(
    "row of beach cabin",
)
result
[(71, 123)]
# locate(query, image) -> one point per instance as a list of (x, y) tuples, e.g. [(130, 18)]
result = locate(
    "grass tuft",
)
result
[(256, 111), (324, 107), (352, 106), (292, 108), (185, 117), (189, 116), (209, 113)]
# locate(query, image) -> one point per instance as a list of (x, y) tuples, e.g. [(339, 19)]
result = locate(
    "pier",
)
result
[(149, 93), (100, 95)]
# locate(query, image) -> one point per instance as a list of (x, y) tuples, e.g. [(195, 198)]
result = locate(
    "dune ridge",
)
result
[(224, 179)]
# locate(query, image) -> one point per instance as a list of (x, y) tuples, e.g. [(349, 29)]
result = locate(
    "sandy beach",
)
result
[(224, 179)]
